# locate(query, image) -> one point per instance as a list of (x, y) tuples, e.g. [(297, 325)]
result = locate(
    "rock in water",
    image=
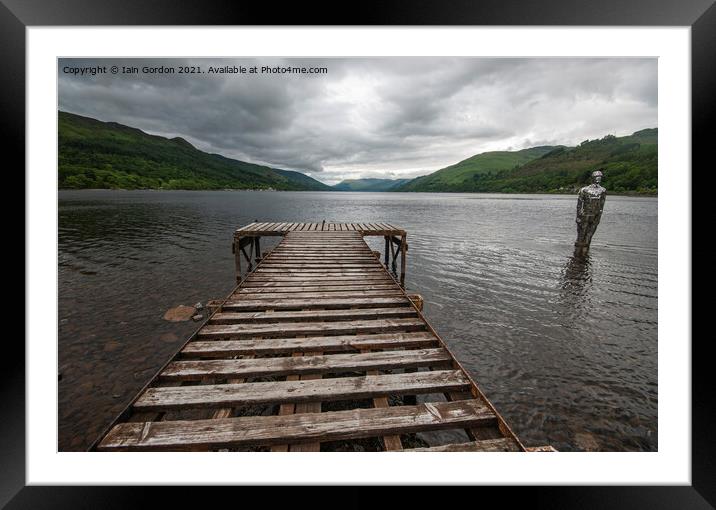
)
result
[(586, 442), (197, 317), (179, 313), (198, 306)]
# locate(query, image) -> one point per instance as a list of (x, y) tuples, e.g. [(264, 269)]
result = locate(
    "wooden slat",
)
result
[(488, 445), (250, 286), (339, 343), (322, 267), (287, 408), (391, 442), (328, 302), (312, 315), (312, 288), (226, 411), (329, 426), (308, 257), (307, 407), (309, 296), (326, 271), (286, 329), (334, 363), (316, 278), (340, 388)]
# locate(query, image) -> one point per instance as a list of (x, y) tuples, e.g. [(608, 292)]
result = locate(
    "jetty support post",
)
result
[(387, 252), (238, 248), (237, 257), (257, 246), (403, 253)]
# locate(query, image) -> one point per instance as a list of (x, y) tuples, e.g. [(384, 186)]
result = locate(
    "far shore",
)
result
[(556, 193)]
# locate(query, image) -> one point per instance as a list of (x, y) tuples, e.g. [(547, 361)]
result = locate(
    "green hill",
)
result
[(630, 166), (95, 154), (461, 176), (370, 184), (630, 163)]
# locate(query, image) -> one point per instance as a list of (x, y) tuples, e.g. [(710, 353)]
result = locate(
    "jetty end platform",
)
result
[(317, 348)]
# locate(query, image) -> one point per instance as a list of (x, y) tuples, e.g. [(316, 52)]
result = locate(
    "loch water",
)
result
[(565, 348)]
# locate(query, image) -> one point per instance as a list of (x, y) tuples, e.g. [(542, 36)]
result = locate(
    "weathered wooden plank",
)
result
[(487, 445), (321, 267), (321, 237), (226, 411), (321, 254), (267, 430), (287, 408), (323, 241), (340, 343), (312, 288), (302, 257), (339, 388), (302, 280), (284, 268), (317, 280), (391, 442), (304, 304), (334, 363), (325, 245), (286, 329), (321, 251), (313, 315), (317, 285), (316, 295), (307, 407)]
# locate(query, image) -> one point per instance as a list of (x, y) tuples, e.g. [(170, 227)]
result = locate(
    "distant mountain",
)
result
[(461, 176), (96, 154), (630, 166), (370, 184)]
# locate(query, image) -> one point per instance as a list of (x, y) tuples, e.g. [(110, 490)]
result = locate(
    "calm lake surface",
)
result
[(567, 351)]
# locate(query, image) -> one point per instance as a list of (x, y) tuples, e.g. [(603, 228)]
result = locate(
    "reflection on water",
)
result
[(565, 347), (575, 285)]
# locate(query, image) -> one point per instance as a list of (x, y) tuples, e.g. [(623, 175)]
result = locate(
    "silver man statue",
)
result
[(589, 211)]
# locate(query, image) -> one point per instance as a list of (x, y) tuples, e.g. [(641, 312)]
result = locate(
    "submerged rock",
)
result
[(179, 313), (586, 442)]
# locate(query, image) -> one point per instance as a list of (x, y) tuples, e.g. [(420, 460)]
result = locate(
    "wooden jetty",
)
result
[(319, 347)]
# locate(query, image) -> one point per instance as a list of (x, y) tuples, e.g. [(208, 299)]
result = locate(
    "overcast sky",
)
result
[(378, 117)]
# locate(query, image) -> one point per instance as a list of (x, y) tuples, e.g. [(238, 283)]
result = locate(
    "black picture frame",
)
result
[(700, 15)]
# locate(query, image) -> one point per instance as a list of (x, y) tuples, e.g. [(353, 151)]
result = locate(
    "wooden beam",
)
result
[(336, 363), (287, 329), (340, 388), (329, 426), (340, 343)]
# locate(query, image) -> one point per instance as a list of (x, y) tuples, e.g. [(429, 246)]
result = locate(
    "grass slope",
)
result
[(95, 154), (461, 176), (630, 166), (630, 163), (370, 184)]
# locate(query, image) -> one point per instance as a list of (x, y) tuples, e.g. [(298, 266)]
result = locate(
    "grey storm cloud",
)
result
[(371, 117)]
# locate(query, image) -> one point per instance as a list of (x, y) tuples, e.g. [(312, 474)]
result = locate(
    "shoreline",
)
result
[(571, 193)]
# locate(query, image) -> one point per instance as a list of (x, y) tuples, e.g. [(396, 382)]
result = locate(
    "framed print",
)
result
[(418, 246)]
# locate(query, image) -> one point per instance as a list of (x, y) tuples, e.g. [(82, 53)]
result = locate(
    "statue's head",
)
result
[(597, 176)]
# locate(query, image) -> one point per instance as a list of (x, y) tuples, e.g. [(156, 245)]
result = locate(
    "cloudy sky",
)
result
[(377, 117)]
